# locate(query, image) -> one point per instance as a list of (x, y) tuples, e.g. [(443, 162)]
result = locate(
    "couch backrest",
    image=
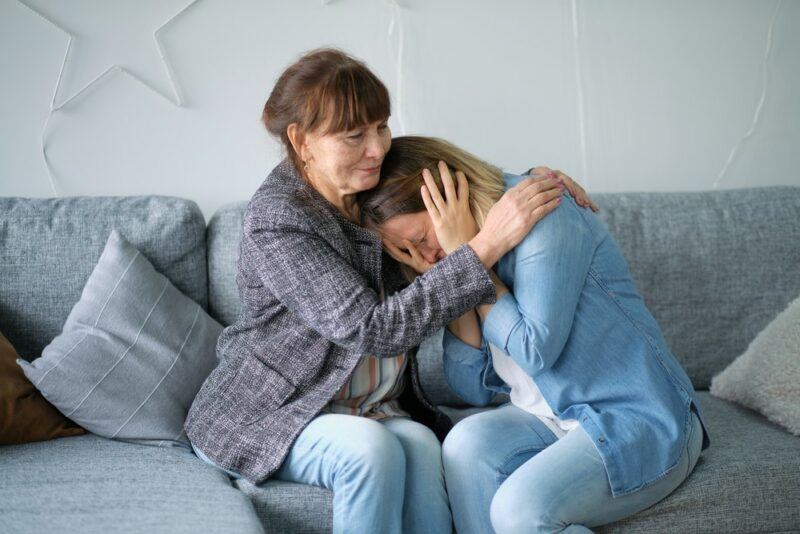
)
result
[(714, 267), (49, 247)]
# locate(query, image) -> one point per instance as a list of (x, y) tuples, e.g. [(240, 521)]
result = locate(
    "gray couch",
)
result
[(714, 267)]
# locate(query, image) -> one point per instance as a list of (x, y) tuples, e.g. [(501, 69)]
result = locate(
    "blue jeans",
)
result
[(506, 472), (386, 476)]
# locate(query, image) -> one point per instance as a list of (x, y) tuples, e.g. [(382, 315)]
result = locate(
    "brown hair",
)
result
[(398, 191), (324, 90)]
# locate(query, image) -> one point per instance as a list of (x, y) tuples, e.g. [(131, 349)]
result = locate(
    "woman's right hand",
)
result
[(514, 215)]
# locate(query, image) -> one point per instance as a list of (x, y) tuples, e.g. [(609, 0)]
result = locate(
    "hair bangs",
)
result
[(353, 98)]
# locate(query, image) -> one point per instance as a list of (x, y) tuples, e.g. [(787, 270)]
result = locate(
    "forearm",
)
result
[(467, 329)]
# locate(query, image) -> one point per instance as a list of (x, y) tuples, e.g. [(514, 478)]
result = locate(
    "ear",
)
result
[(298, 140)]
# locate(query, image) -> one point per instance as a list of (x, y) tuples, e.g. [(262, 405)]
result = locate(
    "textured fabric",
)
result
[(25, 415), (310, 282), (133, 353), (223, 236), (576, 325), (766, 377), (714, 267), (92, 485), (48, 248), (290, 507)]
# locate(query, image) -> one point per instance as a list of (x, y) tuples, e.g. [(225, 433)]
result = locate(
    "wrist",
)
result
[(487, 251)]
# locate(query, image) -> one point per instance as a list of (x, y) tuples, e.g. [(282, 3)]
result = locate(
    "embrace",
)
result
[(356, 248)]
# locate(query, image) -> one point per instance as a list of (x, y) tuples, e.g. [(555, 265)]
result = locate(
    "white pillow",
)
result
[(766, 377)]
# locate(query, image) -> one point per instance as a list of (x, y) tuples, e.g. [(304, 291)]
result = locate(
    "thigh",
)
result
[(567, 484), (504, 438), (331, 443)]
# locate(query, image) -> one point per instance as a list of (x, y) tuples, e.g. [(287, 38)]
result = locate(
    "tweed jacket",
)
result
[(310, 284)]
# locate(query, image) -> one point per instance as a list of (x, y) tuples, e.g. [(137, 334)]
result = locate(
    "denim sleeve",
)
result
[(463, 369), (551, 265)]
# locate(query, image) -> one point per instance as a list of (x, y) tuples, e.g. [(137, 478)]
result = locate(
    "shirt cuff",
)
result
[(503, 317)]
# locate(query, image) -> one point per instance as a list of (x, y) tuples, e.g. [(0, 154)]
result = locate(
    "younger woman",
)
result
[(603, 421)]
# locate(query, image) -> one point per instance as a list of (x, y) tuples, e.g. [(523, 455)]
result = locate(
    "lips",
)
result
[(371, 169)]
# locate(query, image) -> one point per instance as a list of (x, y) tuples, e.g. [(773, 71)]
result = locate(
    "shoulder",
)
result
[(284, 200)]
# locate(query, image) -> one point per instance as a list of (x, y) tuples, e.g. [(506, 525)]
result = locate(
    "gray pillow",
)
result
[(766, 378), (133, 353)]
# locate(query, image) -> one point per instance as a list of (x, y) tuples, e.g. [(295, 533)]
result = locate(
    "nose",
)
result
[(375, 147), (430, 255)]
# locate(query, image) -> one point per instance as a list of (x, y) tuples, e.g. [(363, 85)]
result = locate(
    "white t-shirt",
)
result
[(525, 394)]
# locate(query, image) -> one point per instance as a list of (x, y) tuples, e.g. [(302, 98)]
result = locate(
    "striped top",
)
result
[(373, 389)]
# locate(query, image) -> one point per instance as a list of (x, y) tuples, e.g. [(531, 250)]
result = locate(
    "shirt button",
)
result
[(601, 439)]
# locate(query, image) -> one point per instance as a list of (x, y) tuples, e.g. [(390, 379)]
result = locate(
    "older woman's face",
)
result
[(348, 162)]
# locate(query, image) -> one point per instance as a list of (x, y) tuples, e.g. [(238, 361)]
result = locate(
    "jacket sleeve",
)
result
[(464, 366), (323, 289), (551, 266)]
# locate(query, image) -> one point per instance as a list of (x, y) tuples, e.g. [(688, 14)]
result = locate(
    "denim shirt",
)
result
[(575, 323)]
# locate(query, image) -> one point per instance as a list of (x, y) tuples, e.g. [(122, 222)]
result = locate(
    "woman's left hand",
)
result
[(574, 188), (412, 258)]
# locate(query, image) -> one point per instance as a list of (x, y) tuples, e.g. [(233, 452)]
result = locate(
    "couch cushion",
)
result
[(50, 246), (291, 507), (133, 353), (714, 267), (222, 237), (88, 484)]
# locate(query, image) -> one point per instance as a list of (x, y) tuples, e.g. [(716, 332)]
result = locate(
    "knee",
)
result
[(376, 453), (514, 509), (463, 443)]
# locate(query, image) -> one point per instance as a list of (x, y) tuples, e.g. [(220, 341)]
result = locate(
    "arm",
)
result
[(533, 324), (321, 287), (463, 369)]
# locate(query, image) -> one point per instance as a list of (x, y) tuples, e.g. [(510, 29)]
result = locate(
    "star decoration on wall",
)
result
[(57, 103)]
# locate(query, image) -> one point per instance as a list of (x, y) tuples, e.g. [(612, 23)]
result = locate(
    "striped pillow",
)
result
[(132, 355)]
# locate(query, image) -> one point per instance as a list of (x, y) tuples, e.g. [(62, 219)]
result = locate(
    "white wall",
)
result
[(622, 94)]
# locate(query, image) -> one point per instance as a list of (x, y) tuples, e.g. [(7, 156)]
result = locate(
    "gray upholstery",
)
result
[(291, 507), (49, 247), (746, 482), (89, 484), (222, 238), (714, 267)]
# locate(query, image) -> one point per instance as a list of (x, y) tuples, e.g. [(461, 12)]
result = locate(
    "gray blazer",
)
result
[(310, 284)]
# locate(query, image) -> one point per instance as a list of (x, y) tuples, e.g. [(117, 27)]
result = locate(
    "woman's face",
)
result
[(416, 228), (346, 163)]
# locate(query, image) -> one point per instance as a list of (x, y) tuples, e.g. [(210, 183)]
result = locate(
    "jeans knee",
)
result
[(462, 443), (377, 454), (513, 510)]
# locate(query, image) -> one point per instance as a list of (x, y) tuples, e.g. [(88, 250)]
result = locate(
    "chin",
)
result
[(370, 181)]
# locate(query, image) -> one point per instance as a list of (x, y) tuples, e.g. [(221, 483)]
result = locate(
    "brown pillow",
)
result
[(25, 415)]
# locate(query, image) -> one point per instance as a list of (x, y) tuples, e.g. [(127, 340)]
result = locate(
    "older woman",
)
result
[(317, 377)]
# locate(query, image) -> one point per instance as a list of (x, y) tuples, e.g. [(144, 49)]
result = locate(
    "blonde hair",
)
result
[(398, 191)]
